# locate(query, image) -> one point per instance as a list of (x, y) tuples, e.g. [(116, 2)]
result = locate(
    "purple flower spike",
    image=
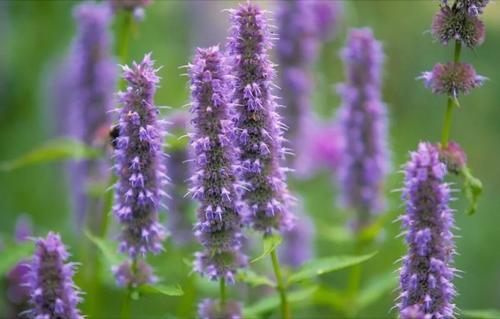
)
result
[(363, 122), (259, 135), (452, 79), (136, 6), (214, 181), (210, 309), (327, 15), (53, 292), (298, 243), (142, 274), (139, 162), (426, 274)]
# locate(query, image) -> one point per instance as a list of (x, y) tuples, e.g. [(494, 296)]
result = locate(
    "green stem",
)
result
[(285, 310), (449, 108), (354, 281), (124, 36), (222, 294), (127, 303)]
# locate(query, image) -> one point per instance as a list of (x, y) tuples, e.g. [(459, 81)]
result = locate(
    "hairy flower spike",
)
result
[(452, 79), (139, 162), (426, 275), (259, 135), (363, 122), (214, 181), (211, 309), (53, 292)]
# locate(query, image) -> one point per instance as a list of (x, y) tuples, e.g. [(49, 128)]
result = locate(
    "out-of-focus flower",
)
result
[(140, 275), (298, 243), (453, 156), (211, 309)]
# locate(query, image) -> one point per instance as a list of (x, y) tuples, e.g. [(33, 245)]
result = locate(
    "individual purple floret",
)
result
[(214, 182), (139, 162), (180, 225), (211, 309), (426, 274), (87, 84), (362, 120), (259, 135), (53, 292), (298, 243), (140, 275), (452, 79)]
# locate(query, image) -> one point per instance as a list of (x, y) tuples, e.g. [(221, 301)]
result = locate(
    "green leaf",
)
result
[(254, 279), (375, 289), (13, 254), (482, 314), (270, 244), (270, 303), (324, 265), (172, 290), (472, 188), (53, 150), (331, 297), (107, 248)]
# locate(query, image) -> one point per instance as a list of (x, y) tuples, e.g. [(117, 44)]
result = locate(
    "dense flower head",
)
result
[(211, 309), (179, 223), (259, 135), (452, 23), (53, 292), (453, 156), (139, 162), (326, 17), (85, 88), (298, 243), (426, 274), (414, 312), (141, 274), (452, 79), (214, 182), (472, 7), (362, 119)]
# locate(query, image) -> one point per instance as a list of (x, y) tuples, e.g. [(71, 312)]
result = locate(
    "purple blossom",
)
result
[(140, 275), (298, 243), (326, 16), (24, 228), (454, 157), (426, 274), (179, 206), (85, 87), (259, 135), (211, 309), (139, 162), (452, 79), (53, 292), (135, 6), (363, 124), (214, 182), (414, 312)]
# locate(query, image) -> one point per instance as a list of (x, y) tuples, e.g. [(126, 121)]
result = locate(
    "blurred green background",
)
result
[(35, 35)]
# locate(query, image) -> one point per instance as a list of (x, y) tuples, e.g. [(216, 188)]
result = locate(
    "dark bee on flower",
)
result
[(114, 133)]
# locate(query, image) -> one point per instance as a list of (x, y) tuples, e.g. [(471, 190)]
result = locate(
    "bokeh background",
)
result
[(35, 36)]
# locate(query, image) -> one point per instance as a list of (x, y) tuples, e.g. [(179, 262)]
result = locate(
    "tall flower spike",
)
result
[(91, 73), (363, 123), (53, 292), (259, 135), (426, 275), (139, 162), (214, 181)]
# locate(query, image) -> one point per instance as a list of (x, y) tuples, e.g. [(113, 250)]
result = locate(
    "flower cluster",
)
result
[(139, 162), (259, 133), (362, 120), (214, 182), (426, 275), (53, 292), (211, 309), (128, 275)]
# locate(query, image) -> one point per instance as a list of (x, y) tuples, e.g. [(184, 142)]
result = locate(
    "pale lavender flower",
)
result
[(214, 182), (53, 292), (327, 16), (141, 274), (259, 135), (211, 309), (139, 162), (298, 243), (362, 120), (452, 79), (426, 274)]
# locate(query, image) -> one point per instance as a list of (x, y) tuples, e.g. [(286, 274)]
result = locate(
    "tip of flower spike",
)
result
[(92, 13)]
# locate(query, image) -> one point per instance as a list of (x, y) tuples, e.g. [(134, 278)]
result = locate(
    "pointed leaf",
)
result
[(375, 289), (324, 265), (254, 279), (270, 244), (14, 253), (270, 303), (482, 314), (53, 150), (472, 188), (171, 290)]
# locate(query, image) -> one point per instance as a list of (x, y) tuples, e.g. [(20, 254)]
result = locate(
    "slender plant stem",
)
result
[(450, 102), (285, 310), (127, 303), (222, 294), (354, 281)]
